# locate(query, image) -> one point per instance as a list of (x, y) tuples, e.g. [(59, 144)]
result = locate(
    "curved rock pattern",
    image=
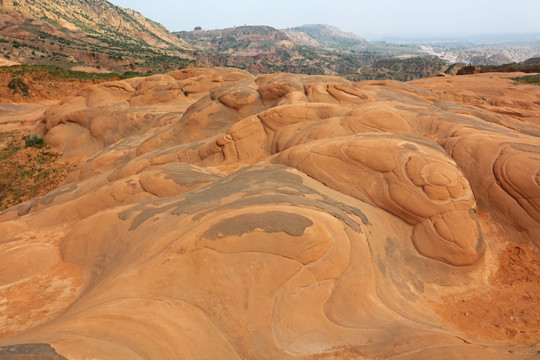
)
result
[(221, 215), (413, 180)]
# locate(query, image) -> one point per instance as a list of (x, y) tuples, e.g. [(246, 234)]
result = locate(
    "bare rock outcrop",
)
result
[(215, 214)]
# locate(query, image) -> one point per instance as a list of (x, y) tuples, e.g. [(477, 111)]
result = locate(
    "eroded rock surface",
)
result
[(215, 214)]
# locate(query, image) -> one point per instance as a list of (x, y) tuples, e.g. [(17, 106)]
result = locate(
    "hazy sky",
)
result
[(364, 18)]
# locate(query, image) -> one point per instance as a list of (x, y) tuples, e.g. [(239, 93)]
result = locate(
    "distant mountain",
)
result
[(73, 33), (309, 49), (243, 40), (324, 35), (263, 49), (94, 35)]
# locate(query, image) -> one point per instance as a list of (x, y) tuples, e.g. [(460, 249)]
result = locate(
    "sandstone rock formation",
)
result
[(215, 214)]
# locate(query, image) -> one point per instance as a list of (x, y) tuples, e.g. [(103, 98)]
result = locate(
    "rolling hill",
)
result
[(97, 36), (263, 49), (325, 35), (310, 49), (85, 33)]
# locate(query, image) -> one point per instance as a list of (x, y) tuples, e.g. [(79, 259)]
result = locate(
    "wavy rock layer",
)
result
[(221, 215)]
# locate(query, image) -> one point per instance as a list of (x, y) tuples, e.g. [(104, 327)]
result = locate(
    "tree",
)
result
[(197, 28)]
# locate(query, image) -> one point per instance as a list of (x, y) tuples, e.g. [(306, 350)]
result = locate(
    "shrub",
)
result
[(34, 141), (18, 85), (528, 79)]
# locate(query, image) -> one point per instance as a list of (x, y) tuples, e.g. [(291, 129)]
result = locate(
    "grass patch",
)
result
[(527, 79), (56, 72), (6, 122), (29, 168)]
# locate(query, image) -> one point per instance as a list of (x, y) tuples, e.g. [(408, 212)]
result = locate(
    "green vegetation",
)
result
[(34, 140), (56, 72), (132, 74), (264, 44), (232, 43), (529, 66), (27, 171), (528, 79), (11, 148), (17, 85)]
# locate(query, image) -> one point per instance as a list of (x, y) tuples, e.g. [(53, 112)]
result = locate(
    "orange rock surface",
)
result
[(219, 215)]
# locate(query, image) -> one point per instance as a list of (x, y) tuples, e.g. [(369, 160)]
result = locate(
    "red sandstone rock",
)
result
[(219, 215)]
